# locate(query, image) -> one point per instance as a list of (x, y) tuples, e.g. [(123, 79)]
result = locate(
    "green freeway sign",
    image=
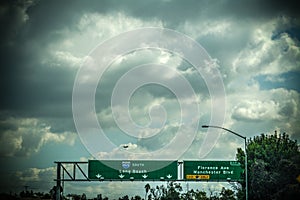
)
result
[(132, 170), (212, 170)]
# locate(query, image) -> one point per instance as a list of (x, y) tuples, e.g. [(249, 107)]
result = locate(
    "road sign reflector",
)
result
[(298, 178)]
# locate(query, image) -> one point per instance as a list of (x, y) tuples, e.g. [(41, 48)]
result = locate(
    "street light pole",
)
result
[(246, 158)]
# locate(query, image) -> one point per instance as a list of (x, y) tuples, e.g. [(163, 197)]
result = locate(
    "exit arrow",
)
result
[(169, 176), (98, 175), (121, 175), (145, 176)]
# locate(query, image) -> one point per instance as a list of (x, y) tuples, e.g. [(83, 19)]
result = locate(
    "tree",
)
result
[(200, 195), (137, 197), (147, 188), (83, 196), (273, 166), (227, 194), (124, 198), (197, 195), (173, 191)]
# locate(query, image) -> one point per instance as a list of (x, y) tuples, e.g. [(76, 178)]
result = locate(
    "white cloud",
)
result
[(112, 190), (275, 79), (95, 28), (36, 179), (269, 51), (212, 28), (256, 110), (267, 55), (269, 110), (92, 30), (104, 26), (36, 174), (65, 59), (25, 136)]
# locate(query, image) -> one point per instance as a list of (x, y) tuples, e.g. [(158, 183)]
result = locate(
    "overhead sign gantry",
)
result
[(151, 170), (146, 170)]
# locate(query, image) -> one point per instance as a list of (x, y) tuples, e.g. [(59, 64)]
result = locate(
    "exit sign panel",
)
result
[(132, 170), (212, 170)]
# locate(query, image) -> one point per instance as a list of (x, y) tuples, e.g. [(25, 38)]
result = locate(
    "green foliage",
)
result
[(124, 198), (199, 195), (137, 198), (147, 189), (174, 191), (273, 166), (227, 194)]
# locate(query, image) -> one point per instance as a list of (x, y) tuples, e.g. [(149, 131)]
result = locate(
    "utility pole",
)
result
[(246, 158)]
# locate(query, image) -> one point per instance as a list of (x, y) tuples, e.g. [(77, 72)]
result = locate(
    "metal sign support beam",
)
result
[(71, 175), (58, 181)]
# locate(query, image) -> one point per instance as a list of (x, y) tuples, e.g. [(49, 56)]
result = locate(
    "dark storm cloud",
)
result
[(36, 91), (12, 18), (28, 86), (46, 16), (174, 12), (31, 87), (258, 9)]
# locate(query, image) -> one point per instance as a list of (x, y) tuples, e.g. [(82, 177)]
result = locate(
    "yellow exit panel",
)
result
[(202, 177)]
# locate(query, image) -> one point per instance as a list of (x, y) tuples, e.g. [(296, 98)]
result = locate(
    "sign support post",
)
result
[(58, 181)]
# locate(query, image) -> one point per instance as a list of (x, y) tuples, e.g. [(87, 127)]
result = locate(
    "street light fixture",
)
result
[(246, 162)]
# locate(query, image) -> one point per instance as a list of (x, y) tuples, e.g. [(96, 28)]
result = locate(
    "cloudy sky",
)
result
[(46, 45)]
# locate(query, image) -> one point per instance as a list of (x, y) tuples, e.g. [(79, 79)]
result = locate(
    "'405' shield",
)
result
[(125, 164)]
